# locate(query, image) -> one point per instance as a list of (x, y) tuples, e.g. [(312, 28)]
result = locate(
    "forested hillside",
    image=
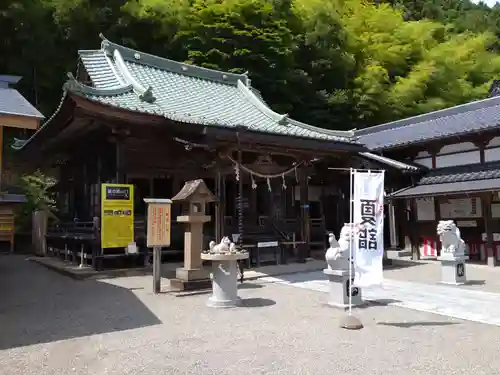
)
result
[(333, 63)]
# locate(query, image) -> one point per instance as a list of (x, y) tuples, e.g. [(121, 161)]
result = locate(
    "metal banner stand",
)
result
[(350, 321)]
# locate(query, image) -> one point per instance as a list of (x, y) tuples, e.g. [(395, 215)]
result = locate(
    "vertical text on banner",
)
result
[(368, 217)]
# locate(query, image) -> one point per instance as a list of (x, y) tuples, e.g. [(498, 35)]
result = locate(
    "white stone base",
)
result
[(223, 304), (339, 289), (453, 269), (224, 284)]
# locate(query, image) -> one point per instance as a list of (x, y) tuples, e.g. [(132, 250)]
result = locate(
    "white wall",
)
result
[(424, 158), (492, 151), (462, 153), (464, 158), (426, 162)]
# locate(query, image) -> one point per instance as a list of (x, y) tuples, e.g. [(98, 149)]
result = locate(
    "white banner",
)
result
[(368, 218)]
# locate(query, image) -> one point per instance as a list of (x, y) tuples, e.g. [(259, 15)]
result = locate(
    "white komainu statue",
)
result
[(451, 241), (225, 246), (337, 255)]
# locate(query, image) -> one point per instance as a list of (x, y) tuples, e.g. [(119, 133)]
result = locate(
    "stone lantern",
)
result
[(194, 196)]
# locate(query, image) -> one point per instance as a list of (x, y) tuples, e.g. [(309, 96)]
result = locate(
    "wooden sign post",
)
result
[(158, 234)]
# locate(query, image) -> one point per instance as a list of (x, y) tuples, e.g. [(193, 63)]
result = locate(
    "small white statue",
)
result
[(451, 241), (225, 246), (337, 255)]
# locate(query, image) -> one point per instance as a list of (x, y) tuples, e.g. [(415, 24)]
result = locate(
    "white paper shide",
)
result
[(368, 218)]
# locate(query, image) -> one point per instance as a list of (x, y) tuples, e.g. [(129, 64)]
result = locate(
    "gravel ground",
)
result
[(50, 324)]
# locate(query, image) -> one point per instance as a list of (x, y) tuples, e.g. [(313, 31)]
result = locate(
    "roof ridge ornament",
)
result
[(145, 94), (72, 84), (284, 120), (104, 42)]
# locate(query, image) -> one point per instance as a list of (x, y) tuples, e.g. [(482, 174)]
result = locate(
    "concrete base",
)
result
[(178, 285), (224, 284), (350, 322), (190, 280), (453, 270), (191, 274), (339, 289), (213, 302)]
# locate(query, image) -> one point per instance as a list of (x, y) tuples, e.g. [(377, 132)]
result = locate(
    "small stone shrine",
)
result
[(337, 258), (452, 253), (194, 197)]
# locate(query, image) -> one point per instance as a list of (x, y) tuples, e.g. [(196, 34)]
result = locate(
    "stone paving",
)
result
[(480, 277), (477, 306), (51, 324)]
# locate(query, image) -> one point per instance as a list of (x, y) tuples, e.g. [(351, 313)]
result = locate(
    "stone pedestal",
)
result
[(190, 279), (192, 276), (453, 269), (224, 279), (338, 284)]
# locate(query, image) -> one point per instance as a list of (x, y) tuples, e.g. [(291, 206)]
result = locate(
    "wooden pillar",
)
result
[(86, 190), (151, 181), (120, 176), (392, 225), (176, 187), (304, 215), (412, 232), (219, 215), (119, 161), (253, 216), (97, 210), (222, 204), (437, 213), (240, 201), (490, 253), (1, 156)]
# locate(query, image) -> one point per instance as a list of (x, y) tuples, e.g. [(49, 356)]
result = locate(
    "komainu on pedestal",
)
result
[(339, 269), (453, 255)]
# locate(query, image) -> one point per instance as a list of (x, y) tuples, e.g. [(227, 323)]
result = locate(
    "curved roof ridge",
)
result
[(441, 113), (284, 119), (245, 90), (145, 94), (138, 57), (76, 87), (21, 143), (336, 133), (119, 77)]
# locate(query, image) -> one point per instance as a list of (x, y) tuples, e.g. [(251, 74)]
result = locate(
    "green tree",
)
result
[(30, 48)]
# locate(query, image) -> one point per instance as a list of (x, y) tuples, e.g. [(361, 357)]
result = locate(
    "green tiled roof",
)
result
[(139, 82)]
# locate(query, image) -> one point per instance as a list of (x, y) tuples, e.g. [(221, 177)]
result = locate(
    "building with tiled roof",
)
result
[(18, 117), (458, 150), (128, 116)]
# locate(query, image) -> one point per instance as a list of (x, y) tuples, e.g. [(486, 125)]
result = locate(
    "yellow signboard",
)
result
[(159, 222), (117, 215)]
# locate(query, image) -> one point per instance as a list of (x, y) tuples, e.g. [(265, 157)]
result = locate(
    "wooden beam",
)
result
[(21, 122)]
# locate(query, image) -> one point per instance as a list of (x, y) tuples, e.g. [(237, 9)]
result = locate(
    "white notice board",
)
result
[(425, 209)]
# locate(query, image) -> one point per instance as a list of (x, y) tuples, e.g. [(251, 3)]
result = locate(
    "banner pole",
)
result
[(351, 237), (349, 321)]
